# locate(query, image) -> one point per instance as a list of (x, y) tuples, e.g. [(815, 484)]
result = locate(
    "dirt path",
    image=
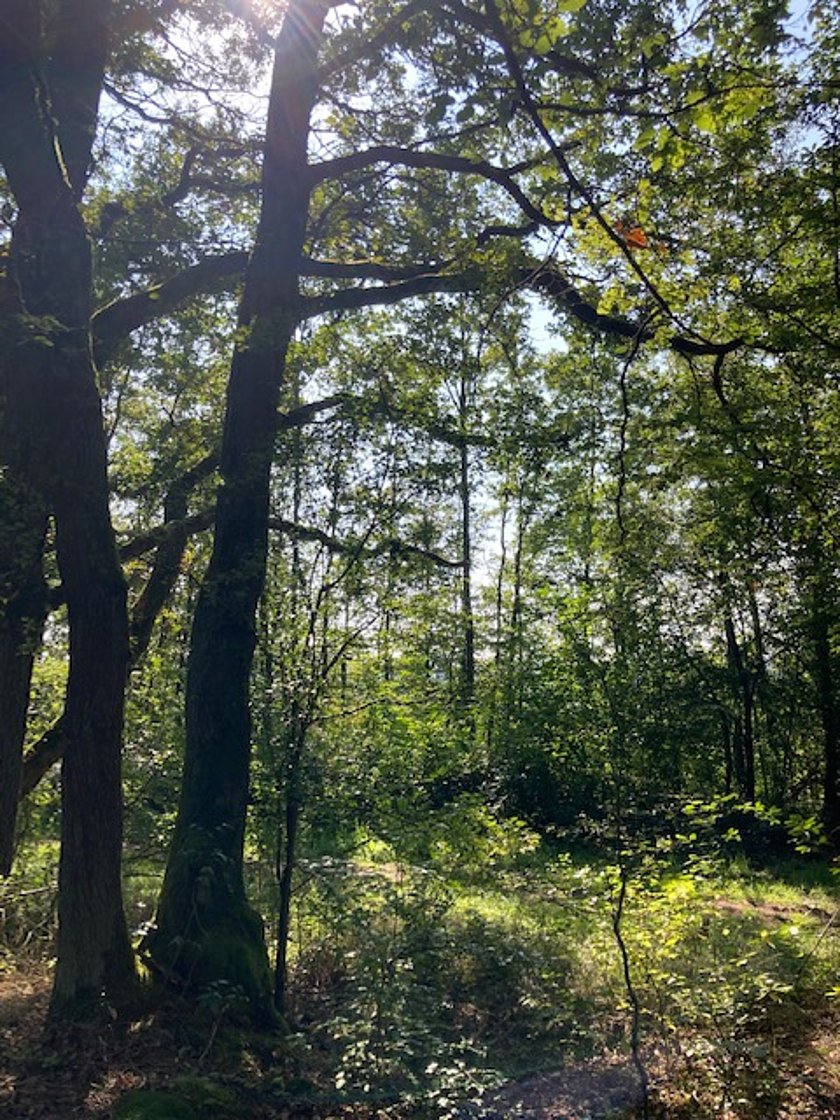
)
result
[(595, 1090)]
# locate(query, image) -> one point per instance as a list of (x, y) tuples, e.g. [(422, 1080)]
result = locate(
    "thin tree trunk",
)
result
[(494, 723), (22, 610), (288, 789), (763, 701), (727, 753), (285, 863), (829, 716), (743, 739), (515, 670), (467, 616), (206, 931)]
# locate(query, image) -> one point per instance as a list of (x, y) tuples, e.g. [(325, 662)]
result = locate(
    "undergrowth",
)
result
[(422, 986)]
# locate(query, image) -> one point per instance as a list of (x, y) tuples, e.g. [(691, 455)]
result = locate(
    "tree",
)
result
[(52, 61), (205, 928), (203, 915)]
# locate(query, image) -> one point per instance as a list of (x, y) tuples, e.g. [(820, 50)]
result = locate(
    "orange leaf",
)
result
[(632, 235)]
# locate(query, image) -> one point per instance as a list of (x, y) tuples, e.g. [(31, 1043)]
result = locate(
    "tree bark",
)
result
[(205, 931), (287, 855), (467, 616), (821, 620)]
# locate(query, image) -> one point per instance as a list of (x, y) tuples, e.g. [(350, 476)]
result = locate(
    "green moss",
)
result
[(209, 941), (190, 1098), (206, 1097), (226, 968), (145, 1104)]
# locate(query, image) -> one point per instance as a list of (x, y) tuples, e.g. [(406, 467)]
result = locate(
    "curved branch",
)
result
[(436, 161), (114, 322), (393, 545), (544, 279)]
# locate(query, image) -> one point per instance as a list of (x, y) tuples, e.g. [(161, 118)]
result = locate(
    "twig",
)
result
[(618, 913)]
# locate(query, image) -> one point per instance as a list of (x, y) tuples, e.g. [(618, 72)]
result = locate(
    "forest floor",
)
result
[(736, 1021), (49, 1076)]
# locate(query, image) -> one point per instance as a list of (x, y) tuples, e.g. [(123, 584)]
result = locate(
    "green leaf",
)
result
[(645, 138), (706, 119), (743, 104)]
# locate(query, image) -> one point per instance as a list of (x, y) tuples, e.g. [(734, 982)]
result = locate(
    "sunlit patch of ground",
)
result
[(779, 1060), (602, 1087)]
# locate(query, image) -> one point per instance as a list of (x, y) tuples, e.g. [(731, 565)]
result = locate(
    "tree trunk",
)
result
[(206, 932), (495, 720), (743, 739), (726, 736), (829, 717), (516, 684), (54, 440), (467, 616), (159, 586), (22, 608), (287, 855)]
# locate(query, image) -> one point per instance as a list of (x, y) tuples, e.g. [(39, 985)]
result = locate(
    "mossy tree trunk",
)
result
[(206, 932)]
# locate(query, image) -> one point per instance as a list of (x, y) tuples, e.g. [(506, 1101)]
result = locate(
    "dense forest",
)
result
[(419, 569)]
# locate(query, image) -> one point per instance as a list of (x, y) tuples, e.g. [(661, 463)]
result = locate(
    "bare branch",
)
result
[(392, 546)]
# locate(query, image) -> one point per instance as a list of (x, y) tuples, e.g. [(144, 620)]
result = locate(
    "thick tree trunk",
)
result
[(53, 408), (162, 579), (206, 932), (54, 441)]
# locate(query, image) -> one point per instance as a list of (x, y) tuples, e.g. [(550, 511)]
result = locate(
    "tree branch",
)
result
[(530, 106), (114, 322), (393, 545), (545, 279), (378, 39), (437, 161)]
